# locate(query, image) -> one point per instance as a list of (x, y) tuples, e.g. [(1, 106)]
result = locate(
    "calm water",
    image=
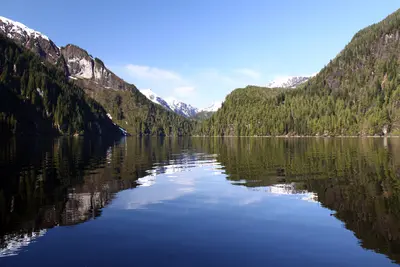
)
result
[(200, 202)]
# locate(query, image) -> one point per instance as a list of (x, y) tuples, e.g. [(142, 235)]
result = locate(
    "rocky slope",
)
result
[(125, 104), (81, 65), (78, 63), (172, 104), (30, 39), (36, 98), (183, 109), (155, 98)]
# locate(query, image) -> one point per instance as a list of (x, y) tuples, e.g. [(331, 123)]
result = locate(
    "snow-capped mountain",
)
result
[(182, 108), (213, 107), (288, 82), (76, 62), (30, 39), (82, 68), (155, 98), (171, 104)]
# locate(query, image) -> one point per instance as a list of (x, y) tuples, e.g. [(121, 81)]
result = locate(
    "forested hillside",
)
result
[(36, 98), (135, 113), (357, 93), (123, 101)]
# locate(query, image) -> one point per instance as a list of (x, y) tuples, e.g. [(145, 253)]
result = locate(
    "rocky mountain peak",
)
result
[(177, 106), (82, 65), (181, 108), (76, 62), (153, 97), (82, 68), (30, 39), (79, 63), (172, 104)]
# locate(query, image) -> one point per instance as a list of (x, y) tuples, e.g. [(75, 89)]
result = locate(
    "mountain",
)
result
[(155, 98), (182, 108), (30, 39), (357, 93), (207, 112), (288, 82), (127, 107), (174, 105), (36, 98)]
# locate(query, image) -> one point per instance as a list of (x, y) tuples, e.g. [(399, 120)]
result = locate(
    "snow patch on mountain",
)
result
[(172, 104), (182, 108), (81, 65), (155, 98), (18, 27), (213, 107), (150, 95), (288, 81), (30, 39)]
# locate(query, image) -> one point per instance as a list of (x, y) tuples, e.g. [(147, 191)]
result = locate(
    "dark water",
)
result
[(200, 202)]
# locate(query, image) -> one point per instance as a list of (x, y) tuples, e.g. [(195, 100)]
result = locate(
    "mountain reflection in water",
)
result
[(68, 181)]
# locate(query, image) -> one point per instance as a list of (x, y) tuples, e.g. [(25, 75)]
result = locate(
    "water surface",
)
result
[(200, 202)]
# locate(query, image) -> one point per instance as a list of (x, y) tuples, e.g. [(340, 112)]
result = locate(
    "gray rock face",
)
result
[(183, 109), (75, 61), (30, 39), (81, 65), (174, 105)]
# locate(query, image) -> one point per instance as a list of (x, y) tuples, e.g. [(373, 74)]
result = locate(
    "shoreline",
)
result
[(300, 136)]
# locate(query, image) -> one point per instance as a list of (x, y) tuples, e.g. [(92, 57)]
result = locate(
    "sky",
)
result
[(199, 51)]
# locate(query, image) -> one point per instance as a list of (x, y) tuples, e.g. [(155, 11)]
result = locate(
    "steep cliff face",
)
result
[(125, 104), (75, 61), (81, 65), (36, 98)]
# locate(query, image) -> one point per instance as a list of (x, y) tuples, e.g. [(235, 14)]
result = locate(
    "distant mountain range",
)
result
[(79, 65), (45, 88), (189, 111), (91, 72), (179, 107)]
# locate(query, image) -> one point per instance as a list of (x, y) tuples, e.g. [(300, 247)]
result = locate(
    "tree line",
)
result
[(357, 93)]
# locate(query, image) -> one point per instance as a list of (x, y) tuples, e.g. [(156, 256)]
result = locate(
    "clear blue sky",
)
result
[(198, 51)]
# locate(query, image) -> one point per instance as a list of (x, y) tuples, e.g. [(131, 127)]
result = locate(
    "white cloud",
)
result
[(198, 88), (214, 76), (146, 72), (248, 72)]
